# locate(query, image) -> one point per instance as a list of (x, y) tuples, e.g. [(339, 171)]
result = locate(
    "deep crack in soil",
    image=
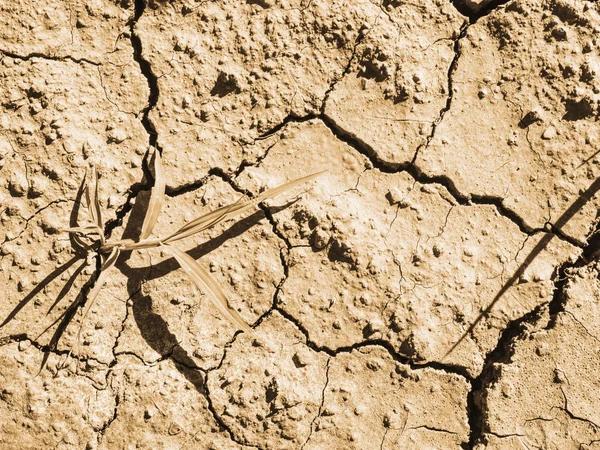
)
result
[(515, 331)]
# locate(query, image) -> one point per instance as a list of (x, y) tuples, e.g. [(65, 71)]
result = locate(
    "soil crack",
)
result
[(47, 349), (30, 218), (66, 58), (152, 82), (109, 422), (320, 411), (146, 69), (429, 428), (416, 173), (517, 330), (450, 87), (333, 352), (572, 416), (220, 421), (361, 35), (386, 167)]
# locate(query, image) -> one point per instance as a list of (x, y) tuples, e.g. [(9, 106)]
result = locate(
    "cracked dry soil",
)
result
[(438, 288)]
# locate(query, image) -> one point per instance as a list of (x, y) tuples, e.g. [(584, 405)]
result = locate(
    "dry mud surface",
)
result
[(437, 288)]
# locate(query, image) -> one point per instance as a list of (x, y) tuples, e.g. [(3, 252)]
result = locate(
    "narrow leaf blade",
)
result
[(74, 220), (157, 197), (270, 193), (97, 201), (104, 270), (89, 198), (91, 195), (235, 209), (205, 282), (76, 241), (206, 221)]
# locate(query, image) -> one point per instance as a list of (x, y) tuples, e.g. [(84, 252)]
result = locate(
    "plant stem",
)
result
[(129, 245)]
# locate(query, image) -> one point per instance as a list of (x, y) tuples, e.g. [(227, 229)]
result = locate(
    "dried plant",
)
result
[(89, 238)]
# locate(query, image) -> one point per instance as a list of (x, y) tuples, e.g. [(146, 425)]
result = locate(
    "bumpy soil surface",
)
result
[(437, 288)]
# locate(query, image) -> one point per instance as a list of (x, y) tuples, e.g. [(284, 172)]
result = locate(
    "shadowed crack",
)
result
[(65, 58), (152, 81), (222, 423), (474, 11), (133, 191), (506, 436), (517, 330), (290, 118), (415, 172), (6, 340), (447, 368), (46, 349), (171, 353), (450, 87), (588, 444), (191, 187), (476, 399), (146, 69), (437, 430)]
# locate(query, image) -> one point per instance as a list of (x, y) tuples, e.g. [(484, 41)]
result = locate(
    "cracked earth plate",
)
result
[(436, 288)]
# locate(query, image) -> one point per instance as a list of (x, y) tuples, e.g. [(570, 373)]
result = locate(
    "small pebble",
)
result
[(149, 413), (549, 133)]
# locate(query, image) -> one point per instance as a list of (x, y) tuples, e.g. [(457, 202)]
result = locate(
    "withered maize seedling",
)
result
[(90, 237)]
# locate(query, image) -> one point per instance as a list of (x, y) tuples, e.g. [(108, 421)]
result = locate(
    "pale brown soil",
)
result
[(437, 288)]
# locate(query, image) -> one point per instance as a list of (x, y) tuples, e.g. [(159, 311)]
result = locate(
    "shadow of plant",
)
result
[(89, 239), (588, 253)]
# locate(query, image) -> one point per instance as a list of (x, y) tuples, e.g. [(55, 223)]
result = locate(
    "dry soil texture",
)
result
[(437, 288)]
